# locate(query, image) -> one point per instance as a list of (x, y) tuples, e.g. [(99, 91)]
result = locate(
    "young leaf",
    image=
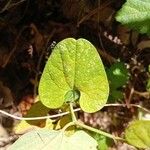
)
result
[(43, 139), (72, 96), (138, 134), (74, 70), (135, 14)]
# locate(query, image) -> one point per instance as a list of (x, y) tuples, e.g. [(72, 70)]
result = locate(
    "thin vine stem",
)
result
[(74, 119), (131, 105), (68, 125), (66, 113), (38, 118), (99, 131), (77, 123)]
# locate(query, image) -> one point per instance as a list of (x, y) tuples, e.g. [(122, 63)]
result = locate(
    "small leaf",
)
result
[(55, 140), (103, 141), (138, 134), (135, 14), (72, 95), (118, 75), (74, 70)]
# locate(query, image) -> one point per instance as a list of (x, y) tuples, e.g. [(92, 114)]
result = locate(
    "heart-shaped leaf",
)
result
[(138, 134), (74, 70), (43, 139)]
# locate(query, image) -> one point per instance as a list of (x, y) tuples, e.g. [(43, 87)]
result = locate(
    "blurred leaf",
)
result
[(138, 134), (74, 70), (103, 141), (149, 68), (36, 110), (148, 85), (49, 124), (148, 82), (136, 15), (55, 140), (23, 127), (115, 95), (118, 76)]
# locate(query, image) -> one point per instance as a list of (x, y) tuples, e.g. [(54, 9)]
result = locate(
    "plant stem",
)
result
[(37, 118), (98, 131), (131, 105), (77, 123), (74, 119), (68, 125)]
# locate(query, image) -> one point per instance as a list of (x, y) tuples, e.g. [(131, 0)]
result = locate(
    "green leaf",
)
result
[(43, 139), (138, 134), (148, 82), (81, 141), (103, 141), (115, 95), (74, 68), (135, 14), (72, 96), (118, 75)]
